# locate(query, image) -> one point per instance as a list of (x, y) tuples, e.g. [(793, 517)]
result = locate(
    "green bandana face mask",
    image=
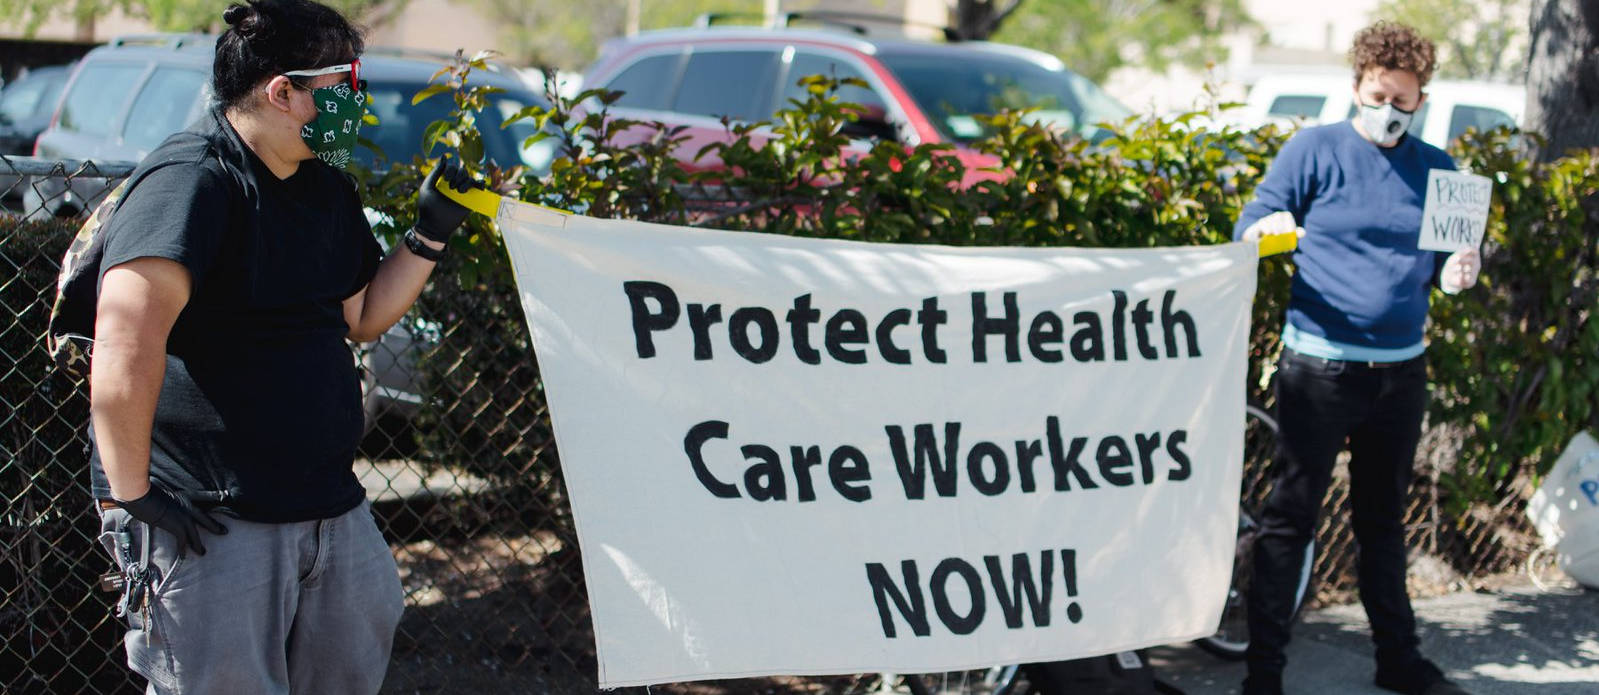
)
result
[(332, 135)]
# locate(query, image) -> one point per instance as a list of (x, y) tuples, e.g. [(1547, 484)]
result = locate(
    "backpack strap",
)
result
[(70, 336)]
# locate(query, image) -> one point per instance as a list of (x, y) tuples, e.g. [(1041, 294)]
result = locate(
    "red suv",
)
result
[(920, 91)]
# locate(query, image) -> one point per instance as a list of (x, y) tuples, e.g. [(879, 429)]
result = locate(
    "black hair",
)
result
[(267, 38)]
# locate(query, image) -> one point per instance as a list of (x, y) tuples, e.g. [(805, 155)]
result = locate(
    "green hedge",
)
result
[(1513, 360)]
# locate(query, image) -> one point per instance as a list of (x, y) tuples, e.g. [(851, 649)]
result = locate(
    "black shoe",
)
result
[(1263, 685), (1418, 677)]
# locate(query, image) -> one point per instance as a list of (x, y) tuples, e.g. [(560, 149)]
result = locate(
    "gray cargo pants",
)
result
[(305, 607)]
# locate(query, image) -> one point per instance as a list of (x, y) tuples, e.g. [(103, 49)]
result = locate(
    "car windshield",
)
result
[(26, 96), (953, 91), (401, 125)]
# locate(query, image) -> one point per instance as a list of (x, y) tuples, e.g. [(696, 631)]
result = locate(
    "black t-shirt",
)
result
[(260, 408)]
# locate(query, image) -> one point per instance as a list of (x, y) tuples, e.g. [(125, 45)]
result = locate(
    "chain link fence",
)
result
[(460, 464)]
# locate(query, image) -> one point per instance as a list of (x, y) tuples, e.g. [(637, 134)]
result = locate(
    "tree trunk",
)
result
[(1563, 76), (976, 20), (83, 28)]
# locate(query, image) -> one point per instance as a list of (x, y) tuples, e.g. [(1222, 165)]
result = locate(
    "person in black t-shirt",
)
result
[(235, 267)]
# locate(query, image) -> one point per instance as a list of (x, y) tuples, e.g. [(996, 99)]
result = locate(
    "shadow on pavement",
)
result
[(1516, 640)]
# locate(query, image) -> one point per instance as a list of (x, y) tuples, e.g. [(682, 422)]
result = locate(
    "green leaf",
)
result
[(376, 150), (433, 133), (536, 112), (429, 91), (536, 138), (471, 147)]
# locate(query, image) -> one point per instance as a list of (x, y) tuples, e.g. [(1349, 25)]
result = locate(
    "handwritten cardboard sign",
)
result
[(1456, 211)]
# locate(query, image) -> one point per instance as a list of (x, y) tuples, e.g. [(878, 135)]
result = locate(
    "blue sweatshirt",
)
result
[(1361, 286)]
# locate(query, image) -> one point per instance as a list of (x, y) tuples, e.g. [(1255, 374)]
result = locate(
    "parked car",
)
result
[(917, 91), (127, 96), (25, 107), (1451, 106)]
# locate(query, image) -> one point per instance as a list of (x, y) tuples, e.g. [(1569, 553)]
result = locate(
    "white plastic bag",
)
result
[(1565, 510)]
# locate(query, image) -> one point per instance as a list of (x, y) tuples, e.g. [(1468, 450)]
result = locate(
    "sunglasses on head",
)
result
[(353, 67)]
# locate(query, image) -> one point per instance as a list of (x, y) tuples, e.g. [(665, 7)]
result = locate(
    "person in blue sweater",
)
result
[(1352, 369)]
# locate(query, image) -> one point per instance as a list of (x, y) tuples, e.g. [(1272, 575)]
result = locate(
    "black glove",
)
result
[(176, 514), (437, 217)]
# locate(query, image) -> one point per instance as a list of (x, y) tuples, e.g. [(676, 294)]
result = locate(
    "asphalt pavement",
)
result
[(1514, 640)]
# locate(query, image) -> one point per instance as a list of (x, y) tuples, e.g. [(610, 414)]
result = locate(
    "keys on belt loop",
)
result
[(124, 544), (141, 582), (134, 581)]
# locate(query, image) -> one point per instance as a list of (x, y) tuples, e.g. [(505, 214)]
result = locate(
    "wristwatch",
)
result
[(413, 241)]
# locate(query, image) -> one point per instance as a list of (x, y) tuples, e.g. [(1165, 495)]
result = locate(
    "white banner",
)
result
[(804, 456)]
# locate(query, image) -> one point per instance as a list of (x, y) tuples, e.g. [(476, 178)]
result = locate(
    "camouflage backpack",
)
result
[(70, 337), (71, 334)]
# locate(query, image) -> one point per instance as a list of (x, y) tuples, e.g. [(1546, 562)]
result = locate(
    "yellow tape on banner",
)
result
[(477, 200), (1273, 244)]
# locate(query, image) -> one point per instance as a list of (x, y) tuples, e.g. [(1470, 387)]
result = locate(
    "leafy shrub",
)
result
[(1153, 184), (1513, 361)]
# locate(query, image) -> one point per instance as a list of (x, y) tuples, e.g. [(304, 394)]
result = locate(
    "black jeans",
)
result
[(1321, 404)]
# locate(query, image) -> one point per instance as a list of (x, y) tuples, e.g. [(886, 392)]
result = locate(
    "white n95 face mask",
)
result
[(1384, 123)]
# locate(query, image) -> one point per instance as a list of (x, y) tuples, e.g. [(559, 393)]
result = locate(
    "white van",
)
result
[(1450, 109)]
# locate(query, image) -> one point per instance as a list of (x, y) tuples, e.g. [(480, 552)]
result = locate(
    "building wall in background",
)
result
[(427, 25), (113, 23), (1292, 37), (912, 12), (439, 26)]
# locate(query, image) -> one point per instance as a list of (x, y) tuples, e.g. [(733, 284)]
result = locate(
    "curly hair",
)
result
[(1393, 46)]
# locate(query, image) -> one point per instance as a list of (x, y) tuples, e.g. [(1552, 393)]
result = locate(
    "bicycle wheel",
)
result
[(1231, 638)]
